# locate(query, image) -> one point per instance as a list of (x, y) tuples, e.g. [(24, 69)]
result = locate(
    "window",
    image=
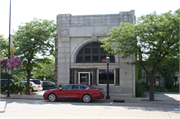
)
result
[(93, 53), (103, 76), (83, 87), (76, 87), (67, 87)]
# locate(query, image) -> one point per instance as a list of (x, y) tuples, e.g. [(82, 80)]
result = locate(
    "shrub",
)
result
[(3, 87), (21, 87), (139, 90), (12, 87), (145, 86)]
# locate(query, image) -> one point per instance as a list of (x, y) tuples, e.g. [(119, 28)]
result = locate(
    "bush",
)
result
[(161, 89), (139, 90), (15, 87), (145, 86), (12, 87), (169, 80), (3, 87), (21, 87)]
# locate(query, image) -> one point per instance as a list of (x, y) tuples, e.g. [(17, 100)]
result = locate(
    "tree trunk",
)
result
[(28, 82), (151, 91)]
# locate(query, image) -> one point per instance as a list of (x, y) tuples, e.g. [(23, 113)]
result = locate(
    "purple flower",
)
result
[(13, 62)]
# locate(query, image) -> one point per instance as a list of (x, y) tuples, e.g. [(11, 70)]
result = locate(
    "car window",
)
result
[(49, 83), (45, 83), (36, 81), (76, 87), (67, 87), (83, 87)]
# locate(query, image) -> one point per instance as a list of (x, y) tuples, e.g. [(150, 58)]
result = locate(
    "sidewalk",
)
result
[(160, 98)]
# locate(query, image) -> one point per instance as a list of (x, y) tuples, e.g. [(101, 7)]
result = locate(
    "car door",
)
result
[(65, 92), (76, 92)]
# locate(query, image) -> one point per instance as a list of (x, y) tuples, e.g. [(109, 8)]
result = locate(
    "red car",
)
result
[(74, 91)]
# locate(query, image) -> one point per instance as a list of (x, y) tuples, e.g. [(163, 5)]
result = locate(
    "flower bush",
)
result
[(13, 62)]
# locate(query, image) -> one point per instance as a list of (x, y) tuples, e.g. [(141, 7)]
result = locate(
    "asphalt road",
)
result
[(43, 109)]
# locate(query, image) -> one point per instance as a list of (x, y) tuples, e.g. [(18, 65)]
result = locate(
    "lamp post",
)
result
[(107, 61), (9, 48)]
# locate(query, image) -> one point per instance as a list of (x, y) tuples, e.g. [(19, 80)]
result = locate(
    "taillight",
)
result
[(38, 86)]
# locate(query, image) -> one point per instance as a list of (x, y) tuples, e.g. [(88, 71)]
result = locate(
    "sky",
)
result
[(23, 11)]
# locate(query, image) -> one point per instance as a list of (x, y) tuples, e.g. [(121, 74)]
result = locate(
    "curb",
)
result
[(162, 102)]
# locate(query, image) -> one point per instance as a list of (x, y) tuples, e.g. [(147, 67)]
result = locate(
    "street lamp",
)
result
[(107, 61), (9, 48)]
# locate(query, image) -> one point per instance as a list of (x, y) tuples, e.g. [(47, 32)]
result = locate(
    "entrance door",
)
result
[(84, 78)]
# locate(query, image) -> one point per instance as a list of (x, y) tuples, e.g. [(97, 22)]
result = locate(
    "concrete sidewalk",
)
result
[(160, 98)]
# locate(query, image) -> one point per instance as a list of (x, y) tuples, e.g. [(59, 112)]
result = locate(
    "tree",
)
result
[(151, 38), (3, 46), (32, 38), (45, 71), (168, 67)]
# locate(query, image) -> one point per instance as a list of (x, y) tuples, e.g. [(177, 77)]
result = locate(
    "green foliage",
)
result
[(59, 85), (3, 87), (45, 71), (169, 80), (4, 75), (20, 87), (12, 87), (168, 68), (139, 90), (32, 38), (161, 89), (151, 38), (3, 46), (145, 86), (15, 87), (19, 74)]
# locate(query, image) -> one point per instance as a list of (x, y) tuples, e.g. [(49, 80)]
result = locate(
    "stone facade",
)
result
[(74, 32)]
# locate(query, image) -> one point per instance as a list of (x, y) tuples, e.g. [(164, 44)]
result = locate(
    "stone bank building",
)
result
[(80, 59)]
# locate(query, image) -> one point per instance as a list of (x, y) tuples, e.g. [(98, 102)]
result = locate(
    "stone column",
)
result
[(117, 77), (94, 76), (63, 24), (72, 76)]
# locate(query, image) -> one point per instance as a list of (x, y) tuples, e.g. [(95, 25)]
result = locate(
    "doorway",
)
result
[(84, 78)]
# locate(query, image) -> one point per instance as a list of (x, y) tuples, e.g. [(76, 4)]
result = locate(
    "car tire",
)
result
[(86, 98), (52, 97)]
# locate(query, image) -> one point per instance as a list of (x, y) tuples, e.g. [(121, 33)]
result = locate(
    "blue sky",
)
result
[(25, 10)]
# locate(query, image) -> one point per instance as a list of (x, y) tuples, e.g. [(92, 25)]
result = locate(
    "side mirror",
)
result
[(60, 88)]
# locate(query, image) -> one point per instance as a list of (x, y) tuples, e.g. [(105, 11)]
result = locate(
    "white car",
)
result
[(35, 87)]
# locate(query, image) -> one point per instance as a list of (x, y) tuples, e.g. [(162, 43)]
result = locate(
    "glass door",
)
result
[(84, 78)]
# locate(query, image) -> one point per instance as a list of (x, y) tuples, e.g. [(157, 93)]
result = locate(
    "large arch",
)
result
[(92, 53)]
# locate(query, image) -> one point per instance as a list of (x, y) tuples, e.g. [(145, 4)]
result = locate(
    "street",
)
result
[(43, 109)]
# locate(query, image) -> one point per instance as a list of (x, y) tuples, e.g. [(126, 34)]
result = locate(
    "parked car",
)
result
[(36, 81), (48, 85), (35, 87), (3, 81), (74, 91)]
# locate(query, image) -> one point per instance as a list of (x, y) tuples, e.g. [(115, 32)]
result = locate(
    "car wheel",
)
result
[(32, 90), (52, 97), (86, 98)]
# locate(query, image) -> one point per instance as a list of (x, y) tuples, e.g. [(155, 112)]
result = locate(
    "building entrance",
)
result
[(84, 78)]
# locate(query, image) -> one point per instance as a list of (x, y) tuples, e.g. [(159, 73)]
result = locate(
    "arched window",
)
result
[(93, 53)]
